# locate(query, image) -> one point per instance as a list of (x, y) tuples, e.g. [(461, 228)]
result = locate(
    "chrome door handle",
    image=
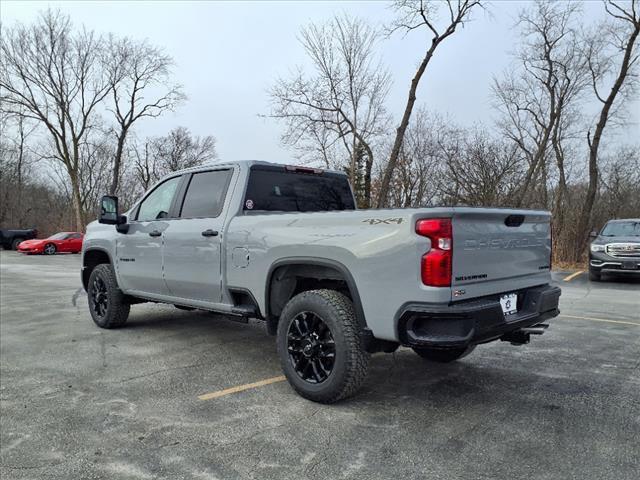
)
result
[(155, 233), (210, 233)]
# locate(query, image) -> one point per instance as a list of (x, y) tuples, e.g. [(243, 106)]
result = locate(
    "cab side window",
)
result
[(205, 194), (157, 204)]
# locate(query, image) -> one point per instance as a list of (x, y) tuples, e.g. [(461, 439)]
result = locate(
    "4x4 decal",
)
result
[(387, 221)]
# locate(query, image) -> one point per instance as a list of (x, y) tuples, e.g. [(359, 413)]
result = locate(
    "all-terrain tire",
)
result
[(443, 355), (16, 242), (351, 360), (103, 286)]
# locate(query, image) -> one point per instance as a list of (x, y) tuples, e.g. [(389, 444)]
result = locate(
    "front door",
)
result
[(139, 251), (192, 244)]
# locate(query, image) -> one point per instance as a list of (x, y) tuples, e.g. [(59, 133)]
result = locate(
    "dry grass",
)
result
[(569, 266)]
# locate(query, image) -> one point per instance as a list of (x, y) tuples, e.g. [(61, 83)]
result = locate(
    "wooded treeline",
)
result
[(555, 142), (71, 100)]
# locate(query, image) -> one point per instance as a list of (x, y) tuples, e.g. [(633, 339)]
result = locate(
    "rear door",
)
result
[(139, 251), (192, 244), (499, 251)]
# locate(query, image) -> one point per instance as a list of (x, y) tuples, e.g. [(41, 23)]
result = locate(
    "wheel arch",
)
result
[(278, 292), (90, 260)]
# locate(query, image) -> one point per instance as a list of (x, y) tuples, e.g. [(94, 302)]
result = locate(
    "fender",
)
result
[(323, 262), (84, 254)]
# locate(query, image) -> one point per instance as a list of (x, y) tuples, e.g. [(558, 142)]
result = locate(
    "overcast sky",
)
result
[(228, 53)]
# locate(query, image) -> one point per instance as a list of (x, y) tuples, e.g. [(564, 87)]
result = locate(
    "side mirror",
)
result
[(109, 210), (593, 234)]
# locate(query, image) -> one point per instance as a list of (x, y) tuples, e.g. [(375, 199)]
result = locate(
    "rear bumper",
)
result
[(475, 321)]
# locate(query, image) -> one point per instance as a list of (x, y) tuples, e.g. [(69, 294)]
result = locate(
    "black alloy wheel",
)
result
[(311, 348), (99, 297), (109, 307)]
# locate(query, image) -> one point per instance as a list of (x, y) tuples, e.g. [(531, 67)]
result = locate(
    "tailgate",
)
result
[(498, 251)]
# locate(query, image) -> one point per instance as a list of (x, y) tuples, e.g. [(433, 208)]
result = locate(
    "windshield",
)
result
[(621, 229), (58, 236)]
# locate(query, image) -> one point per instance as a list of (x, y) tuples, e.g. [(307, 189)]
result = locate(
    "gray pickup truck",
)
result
[(286, 245)]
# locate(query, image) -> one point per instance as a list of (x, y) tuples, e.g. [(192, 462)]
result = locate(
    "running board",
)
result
[(248, 311)]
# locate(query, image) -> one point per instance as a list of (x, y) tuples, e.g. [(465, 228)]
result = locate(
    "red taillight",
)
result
[(436, 263)]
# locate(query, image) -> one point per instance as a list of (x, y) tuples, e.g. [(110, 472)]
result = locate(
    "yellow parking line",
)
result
[(241, 388), (573, 275), (622, 322)]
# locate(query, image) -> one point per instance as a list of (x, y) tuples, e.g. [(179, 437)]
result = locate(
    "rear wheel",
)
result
[(443, 355), (107, 304), (320, 346), (16, 242), (594, 275), (49, 249)]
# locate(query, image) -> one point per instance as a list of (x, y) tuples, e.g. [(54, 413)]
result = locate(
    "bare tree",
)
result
[(179, 149), (340, 107), (140, 85), (478, 170), (417, 179), (15, 159), (94, 171), (618, 45), (155, 157), (536, 100), (55, 77), (412, 15)]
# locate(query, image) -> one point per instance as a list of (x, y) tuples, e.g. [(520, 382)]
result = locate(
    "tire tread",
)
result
[(119, 307), (357, 362)]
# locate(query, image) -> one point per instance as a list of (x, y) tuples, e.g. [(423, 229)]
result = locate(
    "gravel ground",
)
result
[(77, 402)]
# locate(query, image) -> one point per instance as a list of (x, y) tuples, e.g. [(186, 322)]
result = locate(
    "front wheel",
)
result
[(49, 249), (443, 355), (320, 346), (16, 243), (107, 304)]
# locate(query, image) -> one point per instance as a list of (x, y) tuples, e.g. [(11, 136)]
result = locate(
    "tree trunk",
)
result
[(117, 162), (558, 210), (584, 223), (77, 202), (367, 175), (400, 132)]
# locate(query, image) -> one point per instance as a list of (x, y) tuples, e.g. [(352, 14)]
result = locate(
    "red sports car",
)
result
[(60, 242)]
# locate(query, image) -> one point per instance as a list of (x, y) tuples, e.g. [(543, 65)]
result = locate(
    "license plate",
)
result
[(509, 303), (629, 265)]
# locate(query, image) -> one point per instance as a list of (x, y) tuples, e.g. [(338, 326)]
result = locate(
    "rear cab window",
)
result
[(205, 194), (296, 189)]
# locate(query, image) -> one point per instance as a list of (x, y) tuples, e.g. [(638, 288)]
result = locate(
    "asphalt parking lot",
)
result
[(78, 402)]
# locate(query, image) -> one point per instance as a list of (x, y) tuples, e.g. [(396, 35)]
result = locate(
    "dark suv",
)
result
[(616, 249)]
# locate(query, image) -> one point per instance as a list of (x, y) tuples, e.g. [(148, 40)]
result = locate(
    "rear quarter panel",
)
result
[(382, 252), (378, 247)]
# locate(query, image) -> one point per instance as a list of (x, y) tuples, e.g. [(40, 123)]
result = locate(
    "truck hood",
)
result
[(601, 240)]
